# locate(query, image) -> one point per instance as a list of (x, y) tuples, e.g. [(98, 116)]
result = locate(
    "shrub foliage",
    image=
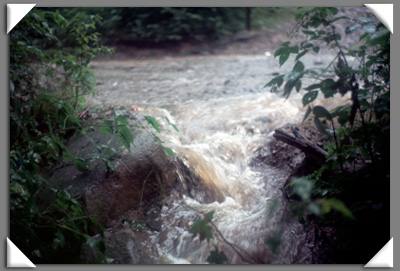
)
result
[(49, 76), (354, 177)]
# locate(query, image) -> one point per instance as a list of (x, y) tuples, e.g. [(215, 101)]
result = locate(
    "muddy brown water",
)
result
[(225, 119)]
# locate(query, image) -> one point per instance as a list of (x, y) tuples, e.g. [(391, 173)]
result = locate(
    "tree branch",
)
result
[(297, 140)]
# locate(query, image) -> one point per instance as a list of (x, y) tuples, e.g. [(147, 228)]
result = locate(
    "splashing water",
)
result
[(217, 142)]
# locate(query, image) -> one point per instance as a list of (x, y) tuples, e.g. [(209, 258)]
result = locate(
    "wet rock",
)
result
[(154, 222), (123, 246), (142, 176)]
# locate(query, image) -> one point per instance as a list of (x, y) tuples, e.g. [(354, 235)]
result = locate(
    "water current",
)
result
[(224, 124)]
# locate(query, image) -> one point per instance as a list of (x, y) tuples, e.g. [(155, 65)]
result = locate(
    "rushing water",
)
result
[(218, 141)]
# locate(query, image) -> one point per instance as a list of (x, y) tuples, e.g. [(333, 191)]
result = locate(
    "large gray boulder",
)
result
[(143, 174), (143, 177)]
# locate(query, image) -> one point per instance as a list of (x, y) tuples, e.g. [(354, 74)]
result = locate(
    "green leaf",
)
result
[(173, 125), (320, 127), (332, 10), (156, 137), (321, 112), (298, 67), (313, 86), (343, 117), (301, 54), (369, 28), (121, 119), (328, 92), (285, 44), (308, 32), (108, 125), (327, 87), (293, 81), (210, 215), (314, 209), (273, 89), (316, 49), (81, 165), (169, 151), (379, 37), (333, 204), (58, 141), (307, 113), (292, 76), (363, 36), (203, 228), (315, 22), (288, 87), (153, 122), (83, 131), (309, 97), (314, 73), (126, 136), (278, 52), (300, 14), (298, 85), (105, 130), (217, 257), (279, 80), (40, 147), (294, 49), (340, 18), (365, 19), (283, 57)]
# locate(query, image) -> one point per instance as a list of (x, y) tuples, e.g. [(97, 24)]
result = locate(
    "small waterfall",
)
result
[(216, 143), (225, 122)]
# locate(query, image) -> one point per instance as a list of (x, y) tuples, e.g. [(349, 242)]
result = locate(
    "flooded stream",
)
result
[(225, 120), (218, 140)]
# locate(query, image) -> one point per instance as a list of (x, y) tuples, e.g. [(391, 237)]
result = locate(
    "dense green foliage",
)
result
[(49, 79), (156, 24), (354, 179), (49, 76)]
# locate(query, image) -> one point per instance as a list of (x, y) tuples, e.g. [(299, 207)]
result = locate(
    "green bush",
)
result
[(49, 76), (358, 130), (350, 191)]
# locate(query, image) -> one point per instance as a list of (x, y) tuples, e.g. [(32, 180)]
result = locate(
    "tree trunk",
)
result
[(248, 19)]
